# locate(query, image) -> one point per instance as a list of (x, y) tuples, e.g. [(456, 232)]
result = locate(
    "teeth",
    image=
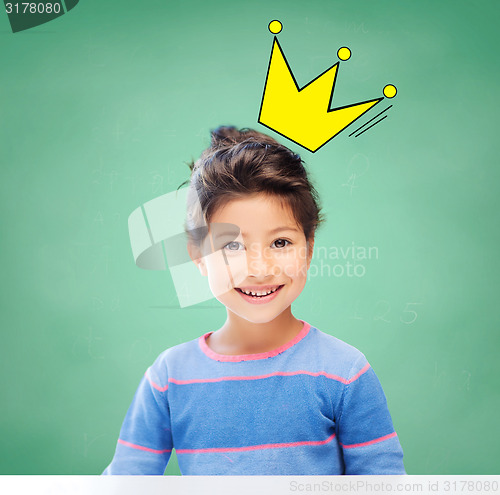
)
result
[(259, 294)]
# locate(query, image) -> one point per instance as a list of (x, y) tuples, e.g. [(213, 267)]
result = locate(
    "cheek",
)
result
[(296, 271), (237, 267), (219, 277), (293, 265)]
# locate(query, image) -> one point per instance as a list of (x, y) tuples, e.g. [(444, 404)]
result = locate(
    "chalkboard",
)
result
[(102, 108)]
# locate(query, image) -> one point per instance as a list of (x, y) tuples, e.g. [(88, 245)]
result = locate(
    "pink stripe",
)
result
[(254, 447), (248, 357), (371, 442), (140, 447), (260, 377), (364, 369), (155, 385), (276, 373)]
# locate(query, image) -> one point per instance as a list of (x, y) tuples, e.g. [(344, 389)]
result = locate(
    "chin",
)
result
[(258, 320), (257, 316)]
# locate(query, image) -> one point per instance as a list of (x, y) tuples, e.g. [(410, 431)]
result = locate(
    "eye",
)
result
[(281, 243), (233, 246)]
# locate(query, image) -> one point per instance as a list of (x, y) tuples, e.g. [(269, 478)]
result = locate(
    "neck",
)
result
[(240, 336)]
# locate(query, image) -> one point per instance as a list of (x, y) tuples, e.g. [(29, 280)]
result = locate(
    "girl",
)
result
[(266, 393)]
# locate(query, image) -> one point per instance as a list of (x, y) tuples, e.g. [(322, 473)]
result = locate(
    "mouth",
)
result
[(259, 295)]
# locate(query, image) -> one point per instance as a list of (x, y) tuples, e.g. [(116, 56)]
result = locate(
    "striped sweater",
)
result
[(314, 406)]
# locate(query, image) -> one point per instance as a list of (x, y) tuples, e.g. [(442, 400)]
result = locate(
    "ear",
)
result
[(310, 249), (196, 255)]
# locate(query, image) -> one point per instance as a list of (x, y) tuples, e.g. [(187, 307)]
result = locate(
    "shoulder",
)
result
[(332, 346), (333, 354), (173, 357)]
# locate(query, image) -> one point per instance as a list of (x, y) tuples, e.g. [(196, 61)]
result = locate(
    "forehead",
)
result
[(257, 214)]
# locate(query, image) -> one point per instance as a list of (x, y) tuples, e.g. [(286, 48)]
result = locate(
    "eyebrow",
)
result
[(270, 232), (283, 229)]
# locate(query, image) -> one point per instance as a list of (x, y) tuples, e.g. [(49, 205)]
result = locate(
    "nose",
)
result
[(260, 263)]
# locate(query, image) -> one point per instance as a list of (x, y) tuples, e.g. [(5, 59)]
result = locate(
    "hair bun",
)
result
[(230, 135), (226, 135)]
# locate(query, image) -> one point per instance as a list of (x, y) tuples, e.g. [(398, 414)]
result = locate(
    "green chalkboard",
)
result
[(101, 109)]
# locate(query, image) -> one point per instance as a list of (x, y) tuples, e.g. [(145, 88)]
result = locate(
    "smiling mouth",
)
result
[(258, 294)]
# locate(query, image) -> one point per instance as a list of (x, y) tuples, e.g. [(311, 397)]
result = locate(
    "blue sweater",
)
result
[(314, 406)]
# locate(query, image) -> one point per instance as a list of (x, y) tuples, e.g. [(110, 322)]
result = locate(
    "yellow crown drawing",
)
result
[(303, 115)]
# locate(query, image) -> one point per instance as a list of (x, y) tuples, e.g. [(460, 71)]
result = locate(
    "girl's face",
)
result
[(259, 259)]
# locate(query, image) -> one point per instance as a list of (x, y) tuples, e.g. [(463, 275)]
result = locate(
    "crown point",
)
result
[(390, 91), (275, 27), (344, 53)]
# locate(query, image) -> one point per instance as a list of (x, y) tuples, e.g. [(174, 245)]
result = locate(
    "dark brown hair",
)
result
[(244, 162)]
